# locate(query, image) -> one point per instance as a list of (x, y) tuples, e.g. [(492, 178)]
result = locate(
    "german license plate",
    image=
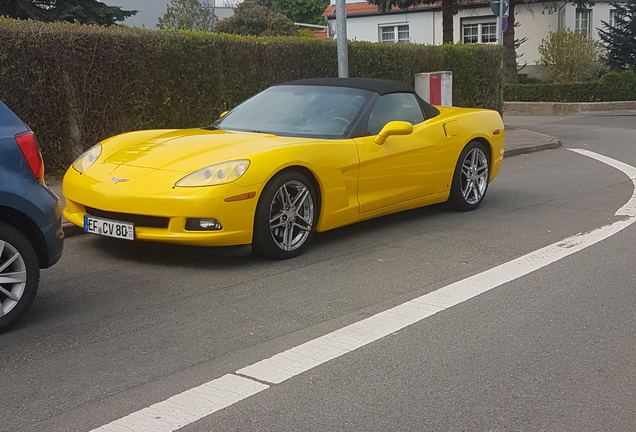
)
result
[(109, 228)]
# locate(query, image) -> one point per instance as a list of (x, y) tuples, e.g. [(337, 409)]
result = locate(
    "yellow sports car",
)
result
[(309, 155)]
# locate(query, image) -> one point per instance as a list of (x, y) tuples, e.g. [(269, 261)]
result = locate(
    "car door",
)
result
[(405, 167)]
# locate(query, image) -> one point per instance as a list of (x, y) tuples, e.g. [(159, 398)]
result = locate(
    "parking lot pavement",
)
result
[(518, 141)]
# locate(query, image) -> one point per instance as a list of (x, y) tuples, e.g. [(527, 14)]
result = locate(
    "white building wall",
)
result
[(535, 24), (367, 28)]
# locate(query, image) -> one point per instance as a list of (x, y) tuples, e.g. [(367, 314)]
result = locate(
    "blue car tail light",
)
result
[(29, 146)]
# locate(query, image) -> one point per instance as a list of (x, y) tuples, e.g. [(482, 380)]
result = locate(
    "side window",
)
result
[(392, 107)]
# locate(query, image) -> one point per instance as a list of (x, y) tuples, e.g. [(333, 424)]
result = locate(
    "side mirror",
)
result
[(393, 128), (223, 114)]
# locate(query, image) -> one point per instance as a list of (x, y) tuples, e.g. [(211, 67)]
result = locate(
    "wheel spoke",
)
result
[(301, 197), (473, 158), (8, 262), (466, 171), (287, 198), (11, 278), (470, 186), (288, 237), (9, 294), (278, 225), (275, 218), (306, 226)]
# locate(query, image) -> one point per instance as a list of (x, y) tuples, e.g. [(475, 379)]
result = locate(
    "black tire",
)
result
[(470, 181), (287, 205), (19, 275)]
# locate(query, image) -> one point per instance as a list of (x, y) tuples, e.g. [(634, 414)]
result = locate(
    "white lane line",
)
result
[(299, 359), (629, 209), (187, 407), (194, 404)]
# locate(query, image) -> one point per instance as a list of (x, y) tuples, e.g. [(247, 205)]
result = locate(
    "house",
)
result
[(318, 31), (474, 22)]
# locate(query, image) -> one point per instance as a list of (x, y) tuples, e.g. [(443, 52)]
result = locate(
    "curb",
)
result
[(563, 108), (529, 142), (70, 230)]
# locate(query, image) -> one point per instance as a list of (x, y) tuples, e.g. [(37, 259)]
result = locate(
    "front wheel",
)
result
[(285, 217), (470, 180), (19, 275)]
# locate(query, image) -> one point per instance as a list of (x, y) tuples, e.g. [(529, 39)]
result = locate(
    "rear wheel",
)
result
[(19, 275), (470, 181), (285, 217)]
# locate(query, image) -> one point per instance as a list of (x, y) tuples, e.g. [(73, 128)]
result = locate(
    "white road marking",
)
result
[(194, 404), (187, 407), (629, 209)]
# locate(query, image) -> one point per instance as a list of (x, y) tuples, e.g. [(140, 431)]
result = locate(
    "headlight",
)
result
[(218, 174), (87, 158)]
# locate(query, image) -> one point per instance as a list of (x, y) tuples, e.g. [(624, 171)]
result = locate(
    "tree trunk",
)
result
[(510, 53), (447, 21)]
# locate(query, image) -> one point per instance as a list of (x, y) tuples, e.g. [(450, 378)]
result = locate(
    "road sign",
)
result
[(494, 5), (504, 24)]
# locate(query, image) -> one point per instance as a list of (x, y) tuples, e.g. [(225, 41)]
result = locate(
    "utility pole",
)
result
[(341, 34)]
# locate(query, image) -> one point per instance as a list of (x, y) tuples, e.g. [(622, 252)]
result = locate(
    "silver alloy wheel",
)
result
[(13, 277), (474, 175), (291, 215)]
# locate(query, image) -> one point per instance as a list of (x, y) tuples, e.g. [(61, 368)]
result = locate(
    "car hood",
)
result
[(188, 150)]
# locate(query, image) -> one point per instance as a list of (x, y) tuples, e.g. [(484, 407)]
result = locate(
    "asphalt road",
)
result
[(117, 327)]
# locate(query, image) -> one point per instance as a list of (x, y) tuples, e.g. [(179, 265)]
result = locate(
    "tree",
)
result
[(448, 9), (300, 11), (188, 15), (83, 11), (620, 39), (255, 20), (23, 9)]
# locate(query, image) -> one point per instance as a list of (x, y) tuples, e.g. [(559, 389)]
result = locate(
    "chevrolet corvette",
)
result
[(300, 157)]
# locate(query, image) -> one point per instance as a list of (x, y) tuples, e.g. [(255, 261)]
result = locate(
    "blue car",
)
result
[(31, 235)]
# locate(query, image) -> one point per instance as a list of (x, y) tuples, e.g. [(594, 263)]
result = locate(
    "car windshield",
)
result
[(297, 110)]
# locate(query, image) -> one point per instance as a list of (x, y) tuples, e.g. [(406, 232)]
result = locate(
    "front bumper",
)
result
[(174, 203)]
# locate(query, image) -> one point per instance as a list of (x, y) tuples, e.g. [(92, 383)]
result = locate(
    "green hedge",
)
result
[(75, 85), (614, 86)]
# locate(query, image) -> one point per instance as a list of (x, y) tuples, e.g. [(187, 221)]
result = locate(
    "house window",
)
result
[(582, 21), (393, 34), (489, 33), (485, 32), (615, 16)]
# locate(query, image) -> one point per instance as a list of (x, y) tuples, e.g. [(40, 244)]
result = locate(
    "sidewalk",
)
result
[(518, 141)]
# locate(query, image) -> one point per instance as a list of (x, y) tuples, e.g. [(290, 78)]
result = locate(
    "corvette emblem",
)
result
[(119, 180)]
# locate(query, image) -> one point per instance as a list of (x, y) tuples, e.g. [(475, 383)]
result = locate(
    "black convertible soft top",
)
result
[(379, 86)]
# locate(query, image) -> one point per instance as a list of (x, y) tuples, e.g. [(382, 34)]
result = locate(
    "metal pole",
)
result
[(500, 22), (341, 34)]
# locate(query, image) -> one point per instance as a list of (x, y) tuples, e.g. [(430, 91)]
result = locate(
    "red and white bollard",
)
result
[(435, 88)]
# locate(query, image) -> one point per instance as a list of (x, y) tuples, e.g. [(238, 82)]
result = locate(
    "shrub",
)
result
[(76, 85), (613, 86), (569, 56)]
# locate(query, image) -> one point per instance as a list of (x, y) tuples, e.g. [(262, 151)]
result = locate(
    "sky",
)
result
[(151, 10)]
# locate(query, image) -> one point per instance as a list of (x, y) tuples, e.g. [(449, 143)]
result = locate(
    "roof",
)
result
[(366, 8), (379, 86)]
